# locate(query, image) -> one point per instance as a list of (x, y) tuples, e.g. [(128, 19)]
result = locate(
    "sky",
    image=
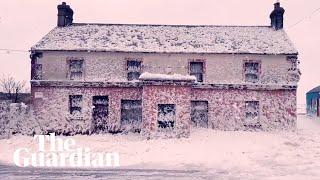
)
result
[(23, 23)]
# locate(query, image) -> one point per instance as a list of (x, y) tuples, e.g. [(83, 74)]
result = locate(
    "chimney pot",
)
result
[(65, 15), (277, 17)]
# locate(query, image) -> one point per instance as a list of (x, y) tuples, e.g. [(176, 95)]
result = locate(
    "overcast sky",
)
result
[(23, 23)]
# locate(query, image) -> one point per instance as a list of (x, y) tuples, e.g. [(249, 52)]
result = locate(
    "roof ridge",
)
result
[(173, 25), (213, 39)]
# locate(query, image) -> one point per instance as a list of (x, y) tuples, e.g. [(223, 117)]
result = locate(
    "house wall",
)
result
[(226, 104), (219, 68), (180, 96), (52, 107), (226, 107)]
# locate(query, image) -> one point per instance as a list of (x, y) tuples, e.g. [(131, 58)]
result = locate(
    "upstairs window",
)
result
[(75, 105), (197, 70), (252, 71), (37, 73), (76, 69), (134, 69), (36, 68), (294, 63)]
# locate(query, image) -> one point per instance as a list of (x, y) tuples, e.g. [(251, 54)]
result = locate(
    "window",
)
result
[(197, 70), (75, 104), (252, 71), (199, 113), (76, 69), (37, 72), (36, 68), (134, 69), (166, 116), (294, 63), (252, 110), (100, 113), (131, 115), (294, 71)]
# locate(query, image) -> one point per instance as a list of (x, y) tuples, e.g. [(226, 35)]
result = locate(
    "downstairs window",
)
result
[(166, 116), (252, 114), (75, 105)]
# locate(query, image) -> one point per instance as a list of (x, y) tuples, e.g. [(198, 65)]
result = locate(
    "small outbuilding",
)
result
[(313, 102)]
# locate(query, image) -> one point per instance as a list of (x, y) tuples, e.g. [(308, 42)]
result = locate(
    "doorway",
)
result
[(100, 113)]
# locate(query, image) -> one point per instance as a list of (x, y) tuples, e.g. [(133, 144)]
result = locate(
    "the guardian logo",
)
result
[(56, 152)]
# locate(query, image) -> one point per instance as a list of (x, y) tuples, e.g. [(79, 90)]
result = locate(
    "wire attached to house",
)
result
[(9, 51), (305, 18)]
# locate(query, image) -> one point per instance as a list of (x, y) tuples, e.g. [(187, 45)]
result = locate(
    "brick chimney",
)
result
[(277, 16), (65, 15)]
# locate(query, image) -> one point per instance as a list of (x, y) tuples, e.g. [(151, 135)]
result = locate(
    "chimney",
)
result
[(65, 15), (277, 16)]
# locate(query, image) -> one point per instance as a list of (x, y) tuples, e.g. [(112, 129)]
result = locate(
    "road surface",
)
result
[(12, 172)]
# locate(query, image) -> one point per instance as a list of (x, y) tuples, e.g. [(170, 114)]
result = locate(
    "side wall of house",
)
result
[(219, 68)]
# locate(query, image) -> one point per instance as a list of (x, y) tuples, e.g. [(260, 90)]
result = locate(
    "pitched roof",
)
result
[(315, 90), (167, 39)]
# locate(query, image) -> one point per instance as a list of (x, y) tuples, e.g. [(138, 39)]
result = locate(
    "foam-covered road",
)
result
[(12, 172)]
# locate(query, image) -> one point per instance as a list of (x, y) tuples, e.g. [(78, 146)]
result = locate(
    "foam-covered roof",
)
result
[(167, 39)]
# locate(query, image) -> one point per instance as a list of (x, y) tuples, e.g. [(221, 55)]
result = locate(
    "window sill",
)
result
[(75, 117)]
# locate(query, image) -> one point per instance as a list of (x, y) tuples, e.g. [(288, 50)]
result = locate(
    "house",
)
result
[(164, 79), (313, 102)]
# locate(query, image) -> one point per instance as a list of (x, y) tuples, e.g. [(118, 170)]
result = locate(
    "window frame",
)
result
[(258, 104), (38, 72), (169, 125), (139, 60), (69, 73), (74, 108), (245, 71), (294, 61), (203, 61)]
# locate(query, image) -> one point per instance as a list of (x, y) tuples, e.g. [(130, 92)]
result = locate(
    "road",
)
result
[(11, 172)]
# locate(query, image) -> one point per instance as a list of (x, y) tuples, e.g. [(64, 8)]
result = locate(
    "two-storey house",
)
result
[(164, 79)]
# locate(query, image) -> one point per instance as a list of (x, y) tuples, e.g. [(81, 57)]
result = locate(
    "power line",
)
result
[(306, 17), (8, 51)]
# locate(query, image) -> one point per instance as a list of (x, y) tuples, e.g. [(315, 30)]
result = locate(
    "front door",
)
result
[(199, 114), (100, 113), (131, 115)]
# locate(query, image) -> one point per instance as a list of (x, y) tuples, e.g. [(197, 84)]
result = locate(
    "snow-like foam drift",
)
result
[(246, 155), (173, 77)]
